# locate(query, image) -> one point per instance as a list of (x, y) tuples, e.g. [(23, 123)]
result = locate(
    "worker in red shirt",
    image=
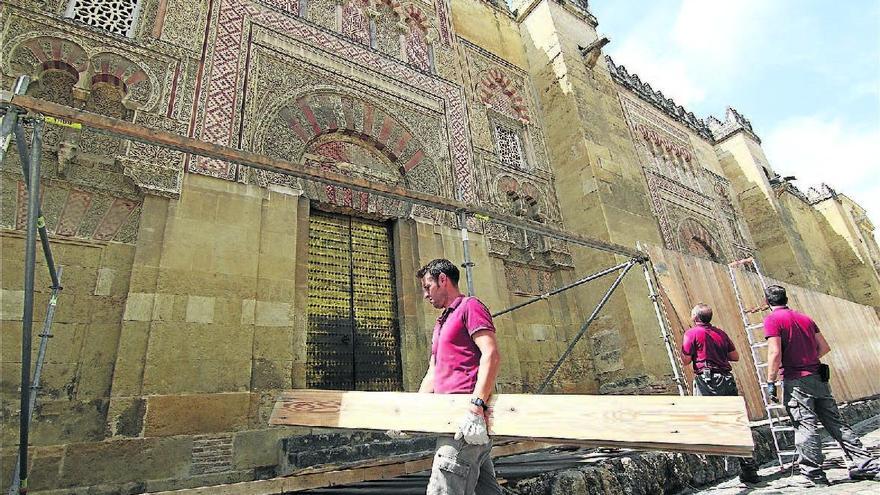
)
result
[(464, 360), (794, 348), (710, 351)]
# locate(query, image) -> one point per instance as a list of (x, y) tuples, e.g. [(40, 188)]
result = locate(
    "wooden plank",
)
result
[(322, 477), (709, 425)]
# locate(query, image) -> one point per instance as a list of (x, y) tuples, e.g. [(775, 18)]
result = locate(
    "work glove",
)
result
[(396, 434), (473, 430), (771, 392)]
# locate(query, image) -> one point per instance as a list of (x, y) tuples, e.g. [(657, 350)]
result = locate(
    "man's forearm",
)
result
[(773, 365), (486, 375), (427, 386)]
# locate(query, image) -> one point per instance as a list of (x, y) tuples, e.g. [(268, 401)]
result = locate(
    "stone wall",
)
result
[(185, 308)]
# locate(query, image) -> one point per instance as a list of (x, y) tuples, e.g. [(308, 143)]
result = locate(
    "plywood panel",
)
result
[(852, 330), (712, 425)]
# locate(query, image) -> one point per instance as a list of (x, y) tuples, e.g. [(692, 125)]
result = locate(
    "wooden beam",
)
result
[(135, 132), (707, 425), (324, 476)]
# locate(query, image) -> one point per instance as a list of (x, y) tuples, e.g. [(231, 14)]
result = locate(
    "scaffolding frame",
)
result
[(13, 119), (15, 103)]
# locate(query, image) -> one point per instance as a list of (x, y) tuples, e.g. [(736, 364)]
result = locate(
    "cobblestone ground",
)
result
[(774, 481)]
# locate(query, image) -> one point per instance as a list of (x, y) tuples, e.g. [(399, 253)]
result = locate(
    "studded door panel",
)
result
[(353, 337)]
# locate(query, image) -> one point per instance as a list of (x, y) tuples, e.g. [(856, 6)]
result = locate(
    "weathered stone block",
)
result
[(126, 460), (200, 309), (272, 343), (270, 374), (196, 414), (139, 306), (125, 416), (11, 304), (260, 447), (163, 307), (248, 311), (130, 360), (272, 314), (104, 281), (105, 309), (97, 358)]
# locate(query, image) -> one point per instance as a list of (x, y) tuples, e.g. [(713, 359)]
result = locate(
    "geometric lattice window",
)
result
[(116, 16), (510, 152)]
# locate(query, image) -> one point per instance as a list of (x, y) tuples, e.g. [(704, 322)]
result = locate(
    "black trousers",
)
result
[(709, 384)]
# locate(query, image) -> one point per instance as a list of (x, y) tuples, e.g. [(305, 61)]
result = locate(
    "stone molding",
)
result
[(644, 90), (733, 123)]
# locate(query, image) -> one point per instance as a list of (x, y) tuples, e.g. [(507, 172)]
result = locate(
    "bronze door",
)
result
[(353, 336)]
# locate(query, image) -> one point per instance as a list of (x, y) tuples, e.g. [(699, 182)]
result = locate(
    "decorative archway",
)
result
[(346, 134), (497, 91), (695, 239)]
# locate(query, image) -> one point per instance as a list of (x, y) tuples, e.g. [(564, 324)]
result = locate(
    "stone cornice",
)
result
[(733, 123), (644, 90)]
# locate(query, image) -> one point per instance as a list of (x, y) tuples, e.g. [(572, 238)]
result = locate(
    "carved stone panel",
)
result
[(693, 206)]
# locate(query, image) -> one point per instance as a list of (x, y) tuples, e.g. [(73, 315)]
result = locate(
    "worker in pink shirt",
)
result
[(464, 360), (794, 346), (710, 351)]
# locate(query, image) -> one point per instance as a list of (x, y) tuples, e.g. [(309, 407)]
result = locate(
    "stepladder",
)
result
[(748, 286)]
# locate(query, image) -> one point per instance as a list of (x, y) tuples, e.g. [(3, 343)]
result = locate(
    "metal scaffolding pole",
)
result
[(587, 323), (588, 278), (38, 372), (468, 263), (27, 319), (668, 341), (21, 144)]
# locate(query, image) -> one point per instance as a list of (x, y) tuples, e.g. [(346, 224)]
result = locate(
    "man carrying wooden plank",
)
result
[(710, 351), (794, 346), (464, 360)]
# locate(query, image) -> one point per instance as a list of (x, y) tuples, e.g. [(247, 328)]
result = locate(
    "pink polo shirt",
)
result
[(708, 346), (456, 356), (797, 331)]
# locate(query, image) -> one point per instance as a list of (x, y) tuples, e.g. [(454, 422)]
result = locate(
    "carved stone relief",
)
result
[(693, 206), (384, 132), (233, 70), (514, 169)]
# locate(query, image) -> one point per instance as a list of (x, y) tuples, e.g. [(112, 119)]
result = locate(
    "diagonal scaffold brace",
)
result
[(624, 269)]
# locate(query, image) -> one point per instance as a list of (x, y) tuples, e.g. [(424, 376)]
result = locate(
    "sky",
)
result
[(806, 73)]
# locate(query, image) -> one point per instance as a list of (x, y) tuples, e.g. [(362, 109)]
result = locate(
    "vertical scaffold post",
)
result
[(27, 319), (664, 331), (466, 251)]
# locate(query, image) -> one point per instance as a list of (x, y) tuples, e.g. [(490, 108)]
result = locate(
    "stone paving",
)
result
[(773, 481)]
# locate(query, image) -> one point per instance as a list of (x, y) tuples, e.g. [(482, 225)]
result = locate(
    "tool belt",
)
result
[(707, 373)]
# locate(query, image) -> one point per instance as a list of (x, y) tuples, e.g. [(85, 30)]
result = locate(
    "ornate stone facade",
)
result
[(190, 277), (514, 170), (694, 206)]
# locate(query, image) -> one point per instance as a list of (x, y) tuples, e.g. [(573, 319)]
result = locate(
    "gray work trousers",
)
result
[(462, 469), (809, 402), (711, 384)]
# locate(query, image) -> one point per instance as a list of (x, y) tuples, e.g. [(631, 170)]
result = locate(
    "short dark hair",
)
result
[(438, 266), (776, 295)]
